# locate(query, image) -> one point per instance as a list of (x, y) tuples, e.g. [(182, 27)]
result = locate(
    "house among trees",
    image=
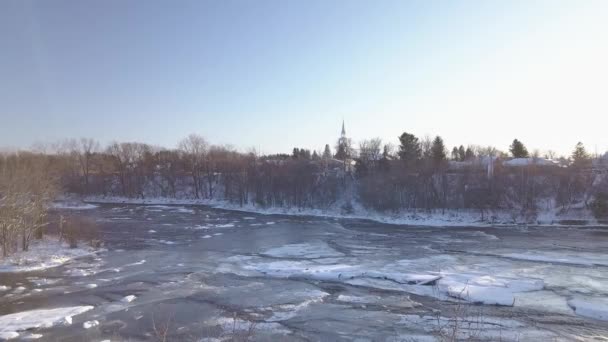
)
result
[(530, 161)]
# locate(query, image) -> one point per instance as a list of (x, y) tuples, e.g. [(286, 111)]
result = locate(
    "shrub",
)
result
[(76, 228), (599, 206)]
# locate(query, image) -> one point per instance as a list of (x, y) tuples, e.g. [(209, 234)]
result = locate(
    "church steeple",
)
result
[(343, 129)]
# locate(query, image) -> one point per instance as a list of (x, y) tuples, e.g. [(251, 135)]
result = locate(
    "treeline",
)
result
[(415, 174), (421, 174)]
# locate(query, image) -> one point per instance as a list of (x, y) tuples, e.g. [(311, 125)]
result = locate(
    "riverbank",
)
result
[(42, 254), (436, 218)]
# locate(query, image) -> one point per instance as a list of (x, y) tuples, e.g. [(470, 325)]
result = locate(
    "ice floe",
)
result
[(12, 325), (478, 285), (590, 307)]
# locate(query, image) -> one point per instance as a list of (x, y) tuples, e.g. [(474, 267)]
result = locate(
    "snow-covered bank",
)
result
[(73, 206), (14, 325), (438, 218), (43, 254)]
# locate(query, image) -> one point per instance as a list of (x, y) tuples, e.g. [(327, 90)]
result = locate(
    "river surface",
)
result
[(202, 274)]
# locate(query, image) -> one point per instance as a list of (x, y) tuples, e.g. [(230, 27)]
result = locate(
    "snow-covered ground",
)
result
[(42, 254), (438, 218)]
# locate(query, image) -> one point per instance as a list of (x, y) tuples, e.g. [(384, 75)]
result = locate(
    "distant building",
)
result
[(600, 164), (523, 162), (481, 164), (344, 151)]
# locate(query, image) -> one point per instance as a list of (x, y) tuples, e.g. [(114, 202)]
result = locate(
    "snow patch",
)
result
[(8, 335), (90, 324), (73, 206), (580, 258), (128, 299), (19, 290)]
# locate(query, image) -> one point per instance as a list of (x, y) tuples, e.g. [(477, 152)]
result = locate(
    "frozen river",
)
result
[(194, 273)]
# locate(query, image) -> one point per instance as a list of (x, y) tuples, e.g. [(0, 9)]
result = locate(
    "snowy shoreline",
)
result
[(43, 254), (450, 218)]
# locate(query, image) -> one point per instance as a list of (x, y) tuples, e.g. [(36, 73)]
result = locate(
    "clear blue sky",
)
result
[(284, 73)]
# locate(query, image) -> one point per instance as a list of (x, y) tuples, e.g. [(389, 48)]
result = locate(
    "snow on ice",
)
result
[(12, 325), (590, 307), (479, 285), (128, 299), (90, 324)]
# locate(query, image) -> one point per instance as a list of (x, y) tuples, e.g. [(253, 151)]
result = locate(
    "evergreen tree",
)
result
[(518, 150), (384, 164), (343, 149), (462, 156), (327, 152), (580, 156), (438, 154), (409, 149), (455, 154), (469, 154), (315, 155), (296, 153)]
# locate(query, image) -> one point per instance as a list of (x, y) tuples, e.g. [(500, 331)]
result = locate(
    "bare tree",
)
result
[(87, 147), (194, 151), (26, 190)]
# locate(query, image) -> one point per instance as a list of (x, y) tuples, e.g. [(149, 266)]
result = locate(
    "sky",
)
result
[(275, 74)]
